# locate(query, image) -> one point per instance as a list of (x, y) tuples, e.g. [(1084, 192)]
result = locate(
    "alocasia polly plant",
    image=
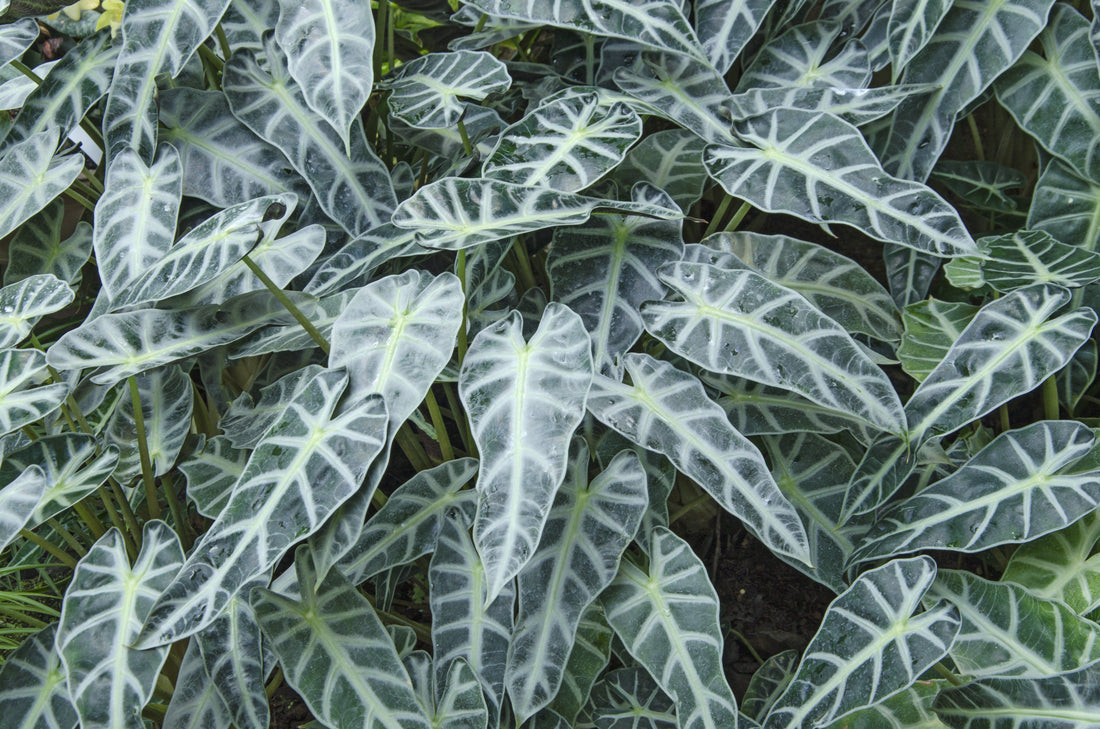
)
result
[(361, 345)]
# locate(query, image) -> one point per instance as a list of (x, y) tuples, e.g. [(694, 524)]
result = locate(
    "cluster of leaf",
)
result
[(336, 333)]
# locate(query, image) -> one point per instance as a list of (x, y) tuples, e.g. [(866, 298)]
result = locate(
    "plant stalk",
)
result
[(279, 294), (143, 452)]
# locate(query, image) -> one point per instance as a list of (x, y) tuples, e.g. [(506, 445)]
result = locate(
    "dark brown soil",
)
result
[(288, 711), (771, 606)]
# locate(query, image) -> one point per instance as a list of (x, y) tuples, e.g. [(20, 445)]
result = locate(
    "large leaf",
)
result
[(329, 46), (70, 475), (1017, 488), (667, 616), (655, 24), (31, 176), (586, 532), (157, 37), (1007, 631), (768, 683), (21, 403), (34, 694), (424, 93), (135, 217), (869, 646), (1055, 97), (276, 502), (337, 656), (207, 251), (465, 625), (23, 303), (110, 680), (127, 343), (606, 268), (523, 400), (817, 167), (629, 698), (1010, 346), (667, 411), (911, 709), (1062, 566), (224, 163), (71, 88), (740, 323), (352, 265), (18, 500), (455, 213), (352, 187), (974, 43), (838, 286), (1068, 700), (565, 144), (407, 525)]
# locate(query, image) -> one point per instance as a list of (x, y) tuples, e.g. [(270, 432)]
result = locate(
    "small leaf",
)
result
[(1015, 260), (21, 403), (70, 475), (667, 616), (1017, 488), (565, 144), (34, 692), (127, 343), (135, 218), (768, 683), (38, 248), (424, 92), (931, 327), (206, 252), (195, 701), (211, 473), (31, 176), (725, 27), (589, 527), (456, 213), (232, 654), (167, 403), (407, 525), (22, 304)]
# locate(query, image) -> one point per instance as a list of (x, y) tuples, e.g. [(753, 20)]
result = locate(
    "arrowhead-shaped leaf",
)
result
[(524, 399)]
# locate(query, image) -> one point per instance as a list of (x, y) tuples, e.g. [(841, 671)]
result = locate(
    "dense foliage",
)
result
[(362, 346)]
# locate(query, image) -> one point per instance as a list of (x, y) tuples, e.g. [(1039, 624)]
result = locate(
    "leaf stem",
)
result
[(54, 551), (461, 271), (719, 213), (83, 201), (288, 304), (466, 146), (440, 426), (67, 536), (1050, 398), (526, 273), (412, 449), (133, 529), (948, 674), (143, 451), (977, 137), (738, 216), (179, 514), (223, 41), (468, 443), (26, 71)]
